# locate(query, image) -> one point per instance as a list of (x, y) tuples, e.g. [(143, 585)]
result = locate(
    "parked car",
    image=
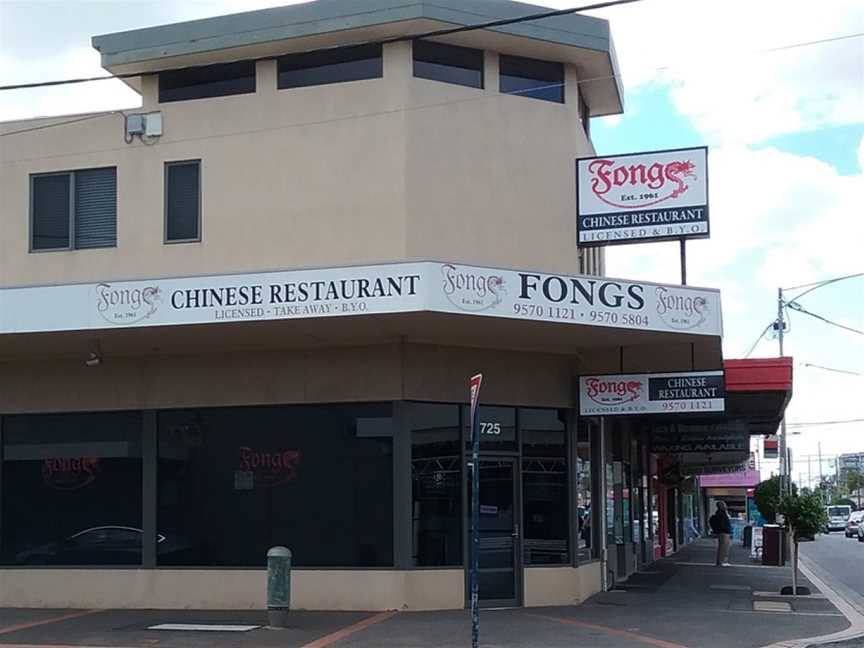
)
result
[(837, 517), (853, 523)]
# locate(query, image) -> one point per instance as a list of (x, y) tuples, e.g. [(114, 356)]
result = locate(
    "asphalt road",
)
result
[(841, 561)]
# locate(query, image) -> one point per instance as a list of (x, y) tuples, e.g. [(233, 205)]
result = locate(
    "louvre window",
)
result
[(183, 201), (74, 210), (532, 78), (331, 66), (448, 63), (207, 82)]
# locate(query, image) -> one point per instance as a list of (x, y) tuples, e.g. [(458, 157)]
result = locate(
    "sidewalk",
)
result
[(682, 601)]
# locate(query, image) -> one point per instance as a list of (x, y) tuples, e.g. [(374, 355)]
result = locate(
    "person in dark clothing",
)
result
[(721, 525)]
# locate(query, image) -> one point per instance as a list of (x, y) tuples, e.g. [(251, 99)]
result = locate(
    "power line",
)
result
[(63, 123), (800, 309), (819, 284), (397, 39), (841, 371), (758, 339)]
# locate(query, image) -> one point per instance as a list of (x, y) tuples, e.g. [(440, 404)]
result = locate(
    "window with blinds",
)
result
[(183, 201), (74, 209)]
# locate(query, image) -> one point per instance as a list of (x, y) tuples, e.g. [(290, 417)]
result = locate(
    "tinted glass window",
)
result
[(448, 63), (583, 491), (96, 208), (183, 201), (234, 482), (532, 78), (71, 489), (206, 82), (497, 427), (331, 66), (544, 487), (436, 473), (50, 206), (584, 115)]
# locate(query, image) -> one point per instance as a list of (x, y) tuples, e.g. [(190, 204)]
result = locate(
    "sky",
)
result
[(775, 88)]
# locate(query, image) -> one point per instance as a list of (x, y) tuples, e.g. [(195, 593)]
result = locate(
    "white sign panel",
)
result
[(363, 290), (642, 197), (667, 393)]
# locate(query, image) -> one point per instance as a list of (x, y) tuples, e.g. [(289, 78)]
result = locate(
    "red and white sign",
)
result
[(666, 393), (643, 196)]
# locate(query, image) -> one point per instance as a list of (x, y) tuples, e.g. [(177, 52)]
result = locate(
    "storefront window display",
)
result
[(583, 490), (72, 489), (318, 479)]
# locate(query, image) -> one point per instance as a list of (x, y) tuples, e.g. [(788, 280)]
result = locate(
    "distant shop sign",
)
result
[(676, 439), (667, 393), (639, 197)]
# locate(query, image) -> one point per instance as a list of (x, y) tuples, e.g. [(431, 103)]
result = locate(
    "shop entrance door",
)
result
[(500, 564)]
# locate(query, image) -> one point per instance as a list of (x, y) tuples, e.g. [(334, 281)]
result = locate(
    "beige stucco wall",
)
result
[(561, 585), (230, 589), (377, 170)]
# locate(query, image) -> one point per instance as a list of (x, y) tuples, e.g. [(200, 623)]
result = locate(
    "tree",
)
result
[(804, 517), (855, 482), (839, 500), (767, 498)]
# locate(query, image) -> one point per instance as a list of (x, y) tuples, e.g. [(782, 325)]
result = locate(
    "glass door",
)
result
[(500, 566)]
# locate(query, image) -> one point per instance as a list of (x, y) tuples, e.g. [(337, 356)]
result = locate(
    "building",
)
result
[(245, 315), (848, 464)]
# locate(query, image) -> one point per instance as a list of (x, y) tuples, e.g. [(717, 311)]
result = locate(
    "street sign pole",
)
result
[(473, 574)]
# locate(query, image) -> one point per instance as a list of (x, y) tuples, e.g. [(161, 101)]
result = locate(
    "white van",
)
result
[(837, 517)]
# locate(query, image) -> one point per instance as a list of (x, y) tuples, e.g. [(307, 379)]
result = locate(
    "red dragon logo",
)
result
[(659, 182)]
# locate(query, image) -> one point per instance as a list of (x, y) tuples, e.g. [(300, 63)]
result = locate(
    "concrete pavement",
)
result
[(680, 602)]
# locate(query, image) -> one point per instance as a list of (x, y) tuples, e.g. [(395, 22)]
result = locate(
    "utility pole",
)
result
[(819, 450), (810, 474), (784, 468)]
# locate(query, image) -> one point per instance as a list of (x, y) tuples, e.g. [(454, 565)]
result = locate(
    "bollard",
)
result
[(278, 586)]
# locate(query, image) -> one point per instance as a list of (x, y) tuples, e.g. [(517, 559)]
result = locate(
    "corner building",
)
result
[(245, 315)]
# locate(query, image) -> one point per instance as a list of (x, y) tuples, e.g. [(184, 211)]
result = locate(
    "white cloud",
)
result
[(706, 52)]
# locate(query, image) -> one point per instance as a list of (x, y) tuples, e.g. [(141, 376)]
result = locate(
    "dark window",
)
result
[(584, 115), (183, 201), (532, 78), (72, 489), (497, 428), (436, 473), (233, 482), (544, 487), (206, 82), (91, 195), (448, 63), (331, 66), (582, 490)]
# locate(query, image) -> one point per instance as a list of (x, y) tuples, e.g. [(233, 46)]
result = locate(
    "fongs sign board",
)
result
[(641, 197), (666, 393)]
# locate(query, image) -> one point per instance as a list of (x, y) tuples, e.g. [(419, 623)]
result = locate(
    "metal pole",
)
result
[(683, 244), (819, 446), (810, 474), (784, 469), (475, 512)]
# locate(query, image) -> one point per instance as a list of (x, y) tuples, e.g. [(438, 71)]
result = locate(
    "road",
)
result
[(841, 561)]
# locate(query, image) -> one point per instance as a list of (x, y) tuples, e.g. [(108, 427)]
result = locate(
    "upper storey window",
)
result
[(207, 82), (73, 210), (331, 66), (584, 115), (532, 78), (448, 63)]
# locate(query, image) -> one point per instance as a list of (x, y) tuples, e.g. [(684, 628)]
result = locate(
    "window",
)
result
[(72, 489), (532, 78), (74, 209), (584, 115), (582, 490), (207, 82), (544, 487), (331, 66), (233, 482), (448, 63), (183, 201), (436, 475)]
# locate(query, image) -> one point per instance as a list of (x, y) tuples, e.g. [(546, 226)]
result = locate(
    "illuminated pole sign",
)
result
[(639, 197)]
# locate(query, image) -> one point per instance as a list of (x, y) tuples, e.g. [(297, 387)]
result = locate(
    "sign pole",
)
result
[(473, 575), (683, 244)]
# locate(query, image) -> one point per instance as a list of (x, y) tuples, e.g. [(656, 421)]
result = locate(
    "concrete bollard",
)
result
[(278, 586)]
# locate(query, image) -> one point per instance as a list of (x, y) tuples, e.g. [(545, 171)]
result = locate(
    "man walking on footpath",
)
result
[(721, 525)]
